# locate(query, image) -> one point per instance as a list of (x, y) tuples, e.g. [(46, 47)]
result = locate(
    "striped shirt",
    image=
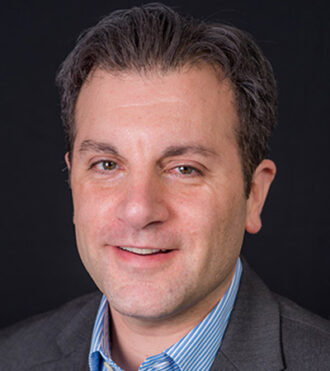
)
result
[(194, 352)]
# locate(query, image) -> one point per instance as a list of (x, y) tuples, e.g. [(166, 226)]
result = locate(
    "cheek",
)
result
[(91, 207), (200, 216), (213, 220)]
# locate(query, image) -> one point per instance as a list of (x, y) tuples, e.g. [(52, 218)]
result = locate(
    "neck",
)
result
[(133, 342)]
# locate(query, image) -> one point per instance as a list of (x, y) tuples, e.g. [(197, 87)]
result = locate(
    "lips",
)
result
[(143, 251)]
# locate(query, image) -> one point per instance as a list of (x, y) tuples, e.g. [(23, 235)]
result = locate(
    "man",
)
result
[(168, 120)]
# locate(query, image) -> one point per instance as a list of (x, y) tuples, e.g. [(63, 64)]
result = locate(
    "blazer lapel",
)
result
[(74, 340), (252, 340)]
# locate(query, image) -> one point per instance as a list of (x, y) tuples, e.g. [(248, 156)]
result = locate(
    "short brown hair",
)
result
[(154, 36)]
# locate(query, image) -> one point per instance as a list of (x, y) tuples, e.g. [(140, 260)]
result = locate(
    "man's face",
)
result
[(159, 205)]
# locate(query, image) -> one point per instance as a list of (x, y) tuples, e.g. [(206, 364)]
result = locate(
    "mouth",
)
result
[(143, 251)]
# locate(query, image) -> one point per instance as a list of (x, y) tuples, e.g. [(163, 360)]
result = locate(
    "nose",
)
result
[(143, 202)]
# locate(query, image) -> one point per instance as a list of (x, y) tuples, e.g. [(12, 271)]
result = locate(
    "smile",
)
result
[(140, 251)]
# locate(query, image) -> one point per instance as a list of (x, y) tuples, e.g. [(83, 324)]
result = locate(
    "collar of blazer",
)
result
[(74, 340)]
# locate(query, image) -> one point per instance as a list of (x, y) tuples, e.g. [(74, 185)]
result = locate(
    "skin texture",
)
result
[(156, 165)]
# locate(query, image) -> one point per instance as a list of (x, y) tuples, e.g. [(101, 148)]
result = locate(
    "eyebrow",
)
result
[(92, 146), (180, 150), (172, 151)]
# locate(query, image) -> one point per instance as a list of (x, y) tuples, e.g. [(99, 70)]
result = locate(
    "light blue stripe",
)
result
[(194, 352)]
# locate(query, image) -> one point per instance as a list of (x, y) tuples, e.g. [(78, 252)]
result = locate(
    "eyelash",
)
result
[(193, 171)]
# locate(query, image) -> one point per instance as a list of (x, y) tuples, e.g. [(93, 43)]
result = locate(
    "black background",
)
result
[(39, 265)]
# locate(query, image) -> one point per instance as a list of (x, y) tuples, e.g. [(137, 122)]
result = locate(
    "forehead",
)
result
[(194, 99)]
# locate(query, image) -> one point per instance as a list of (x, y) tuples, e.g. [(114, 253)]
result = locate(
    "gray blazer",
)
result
[(266, 333)]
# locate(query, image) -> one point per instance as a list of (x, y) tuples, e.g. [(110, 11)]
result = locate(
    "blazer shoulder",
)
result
[(293, 313), (268, 332), (35, 337), (305, 336)]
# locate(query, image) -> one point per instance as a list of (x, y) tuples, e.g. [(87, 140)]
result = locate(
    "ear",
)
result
[(69, 166), (67, 161), (261, 181)]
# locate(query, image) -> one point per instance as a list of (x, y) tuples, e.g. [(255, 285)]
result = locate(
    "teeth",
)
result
[(141, 251)]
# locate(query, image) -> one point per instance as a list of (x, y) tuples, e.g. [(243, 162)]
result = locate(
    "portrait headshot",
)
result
[(165, 186)]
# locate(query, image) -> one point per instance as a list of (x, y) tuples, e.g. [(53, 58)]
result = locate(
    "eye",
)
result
[(188, 170), (106, 165)]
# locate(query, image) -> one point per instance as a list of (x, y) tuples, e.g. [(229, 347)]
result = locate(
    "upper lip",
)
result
[(143, 247)]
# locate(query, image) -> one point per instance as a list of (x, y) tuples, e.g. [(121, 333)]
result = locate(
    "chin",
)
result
[(145, 305)]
